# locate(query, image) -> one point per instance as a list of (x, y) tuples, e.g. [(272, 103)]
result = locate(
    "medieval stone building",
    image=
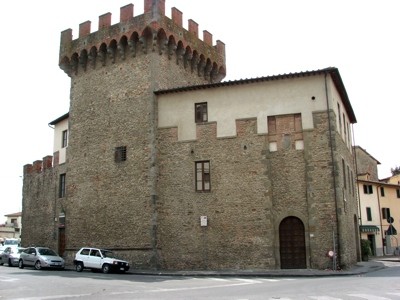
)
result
[(172, 168)]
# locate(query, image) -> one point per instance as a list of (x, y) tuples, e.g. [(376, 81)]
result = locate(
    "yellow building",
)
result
[(379, 206)]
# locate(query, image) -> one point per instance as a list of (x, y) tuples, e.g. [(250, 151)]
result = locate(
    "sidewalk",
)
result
[(374, 264)]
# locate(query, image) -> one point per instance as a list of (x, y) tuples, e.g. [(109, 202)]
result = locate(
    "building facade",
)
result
[(379, 206), (12, 227), (172, 168)]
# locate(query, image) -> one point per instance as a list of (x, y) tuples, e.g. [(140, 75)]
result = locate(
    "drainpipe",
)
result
[(333, 162)]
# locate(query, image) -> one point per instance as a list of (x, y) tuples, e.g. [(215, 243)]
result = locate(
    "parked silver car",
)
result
[(40, 257), (10, 256)]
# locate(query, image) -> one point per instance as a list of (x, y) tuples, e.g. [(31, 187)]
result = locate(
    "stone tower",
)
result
[(112, 170)]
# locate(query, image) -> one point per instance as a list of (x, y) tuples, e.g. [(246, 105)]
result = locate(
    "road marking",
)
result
[(369, 297), (54, 297), (324, 298), (8, 279)]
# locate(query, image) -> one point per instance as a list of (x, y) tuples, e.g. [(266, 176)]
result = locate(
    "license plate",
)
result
[(121, 269)]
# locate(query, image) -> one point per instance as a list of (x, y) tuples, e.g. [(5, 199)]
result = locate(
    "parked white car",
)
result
[(99, 259)]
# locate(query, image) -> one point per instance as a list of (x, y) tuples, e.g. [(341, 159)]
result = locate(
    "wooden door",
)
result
[(292, 244), (61, 241)]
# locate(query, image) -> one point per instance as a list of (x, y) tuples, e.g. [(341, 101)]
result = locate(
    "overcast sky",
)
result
[(262, 37)]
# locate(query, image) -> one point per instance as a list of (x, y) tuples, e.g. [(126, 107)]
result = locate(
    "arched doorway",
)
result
[(292, 244)]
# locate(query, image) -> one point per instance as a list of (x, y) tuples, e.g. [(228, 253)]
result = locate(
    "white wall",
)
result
[(254, 100)]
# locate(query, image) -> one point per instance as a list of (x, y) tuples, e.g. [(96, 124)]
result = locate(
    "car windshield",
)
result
[(49, 252), (20, 250), (107, 253), (11, 242)]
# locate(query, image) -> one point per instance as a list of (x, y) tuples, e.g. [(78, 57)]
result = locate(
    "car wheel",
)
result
[(38, 266), (105, 268), (21, 264), (79, 267)]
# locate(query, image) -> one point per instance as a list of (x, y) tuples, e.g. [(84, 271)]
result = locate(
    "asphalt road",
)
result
[(29, 284)]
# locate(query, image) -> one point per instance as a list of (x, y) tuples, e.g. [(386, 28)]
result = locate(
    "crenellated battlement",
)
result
[(38, 166), (136, 35)]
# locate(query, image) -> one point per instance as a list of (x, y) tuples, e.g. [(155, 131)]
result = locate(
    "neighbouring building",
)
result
[(12, 227), (162, 162), (379, 206)]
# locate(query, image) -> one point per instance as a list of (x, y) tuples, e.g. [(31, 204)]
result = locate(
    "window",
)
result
[(398, 193), (120, 154), (369, 215), (61, 190), (385, 213), (203, 176), (348, 176), (340, 120), (382, 191), (344, 174), (64, 141), (368, 189), (200, 112)]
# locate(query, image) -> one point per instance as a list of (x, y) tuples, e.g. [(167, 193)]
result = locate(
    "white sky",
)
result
[(262, 37)]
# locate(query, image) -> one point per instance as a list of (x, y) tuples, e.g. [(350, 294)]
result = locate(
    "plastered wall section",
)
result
[(57, 143), (256, 100)]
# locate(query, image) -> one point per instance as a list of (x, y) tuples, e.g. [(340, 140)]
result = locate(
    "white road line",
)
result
[(369, 297), (54, 297), (324, 298), (8, 279)]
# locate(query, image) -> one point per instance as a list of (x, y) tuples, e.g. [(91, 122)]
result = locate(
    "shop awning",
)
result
[(369, 228)]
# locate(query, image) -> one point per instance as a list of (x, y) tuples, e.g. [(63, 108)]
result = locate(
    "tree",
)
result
[(395, 171)]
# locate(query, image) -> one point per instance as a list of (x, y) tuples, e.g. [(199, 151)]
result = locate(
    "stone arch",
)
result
[(221, 74), (207, 69), (93, 56), (292, 243), (83, 59), (214, 72), (162, 41), (123, 46), (112, 50), (146, 40), (180, 51), (187, 57), (65, 65), (75, 63), (201, 65), (133, 43), (171, 46), (102, 53), (195, 61)]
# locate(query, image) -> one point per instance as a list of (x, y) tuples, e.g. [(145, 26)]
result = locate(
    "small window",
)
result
[(201, 114), (369, 215), (368, 189), (203, 176), (120, 154), (382, 191), (398, 193), (344, 174), (61, 190), (64, 141), (385, 213)]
